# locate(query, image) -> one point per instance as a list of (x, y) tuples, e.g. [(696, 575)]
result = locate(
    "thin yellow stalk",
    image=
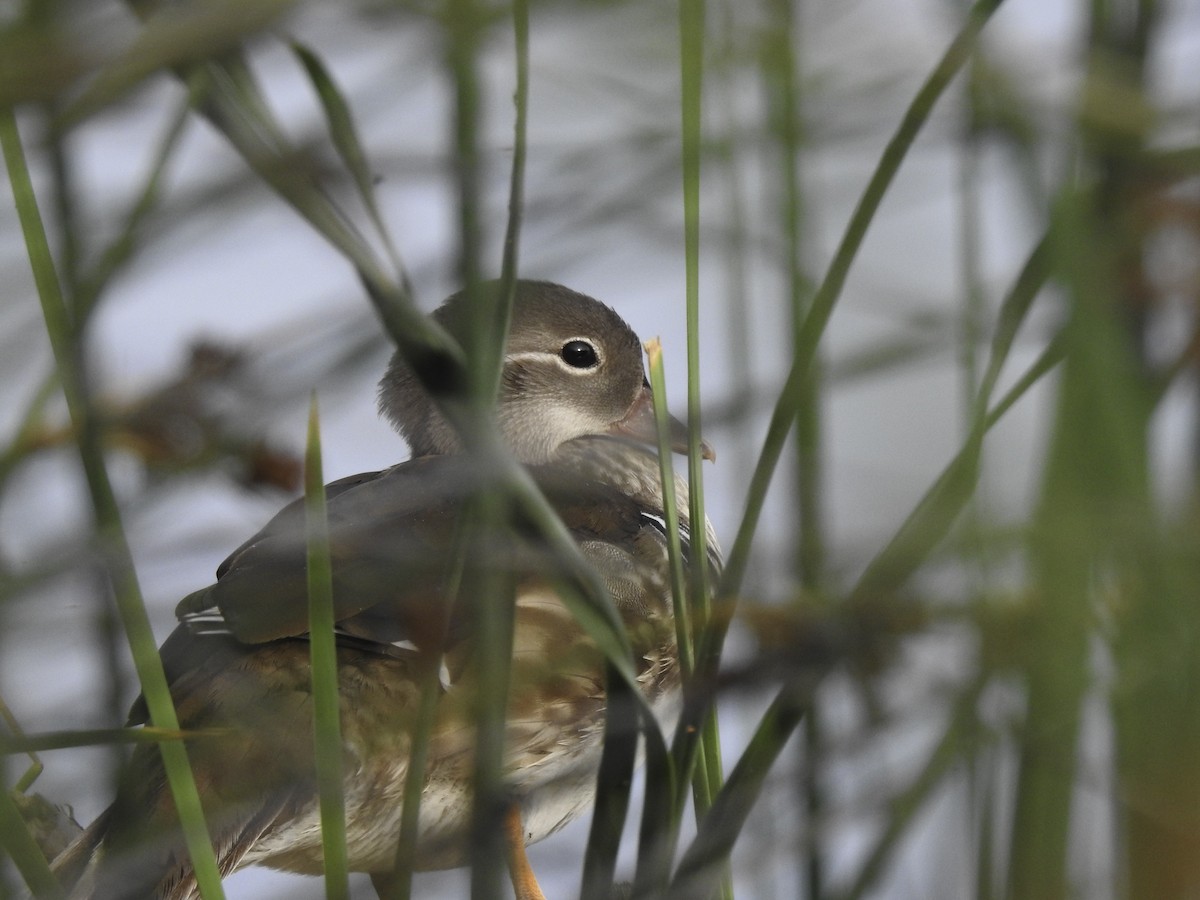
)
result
[(683, 616)]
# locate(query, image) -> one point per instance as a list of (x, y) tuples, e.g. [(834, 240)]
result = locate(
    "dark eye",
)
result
[(579, 354)]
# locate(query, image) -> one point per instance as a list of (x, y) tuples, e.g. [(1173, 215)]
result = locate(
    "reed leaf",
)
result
[(327, 729), (826, 297), (25, 853), (115, 548)]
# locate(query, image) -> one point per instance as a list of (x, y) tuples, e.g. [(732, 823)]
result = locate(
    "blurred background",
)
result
[(1007, 684)]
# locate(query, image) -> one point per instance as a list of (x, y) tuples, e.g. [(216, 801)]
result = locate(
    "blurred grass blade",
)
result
[(341, 125), (35, 768), (926, 525), (904, 808), (397, 884), (511, 254), (823, 303), (117, 554), (1095, 508), (937, 510), (1013, 312), (784, 87), (327, 731), (121, 249), (487, 595), (613, 782), (88, 737), (1052, 354), (174, 35), (24, 851), (349, 147), (658, 830), (703, 865)]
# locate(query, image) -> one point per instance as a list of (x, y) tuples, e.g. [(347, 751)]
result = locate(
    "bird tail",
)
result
[(76, 865), (158, 867)]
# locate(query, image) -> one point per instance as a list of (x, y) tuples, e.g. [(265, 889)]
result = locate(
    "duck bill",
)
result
[(640, 425)]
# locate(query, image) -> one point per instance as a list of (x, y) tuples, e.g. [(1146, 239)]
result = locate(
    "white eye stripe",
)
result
[(556, 356), (529, 356)]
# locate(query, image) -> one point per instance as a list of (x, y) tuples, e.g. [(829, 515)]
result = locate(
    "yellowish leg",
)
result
[(523, 880)]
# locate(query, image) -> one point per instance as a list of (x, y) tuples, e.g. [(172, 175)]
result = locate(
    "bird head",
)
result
[(572, 368)]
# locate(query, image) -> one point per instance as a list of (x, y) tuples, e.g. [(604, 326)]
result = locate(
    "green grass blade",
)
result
[(1094, 509), (931, 519), (827, 295), (118, 557), (486, 594), (924, 527), (397, 885), (781, 74), (327, 730), (708, 776), (344, 134), (683, 624), (1013, 312), (122, 249), (909, 803), (658, 849), (516, 184), (25, 853), (702, 868), (35, 768), (691, 34), (86, 737), (516, 194), (612, 788)]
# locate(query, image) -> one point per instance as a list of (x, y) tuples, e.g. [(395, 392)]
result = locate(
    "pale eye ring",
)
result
[(579, 355)]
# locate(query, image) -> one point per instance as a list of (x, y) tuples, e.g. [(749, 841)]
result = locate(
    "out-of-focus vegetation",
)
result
[(939, 267)]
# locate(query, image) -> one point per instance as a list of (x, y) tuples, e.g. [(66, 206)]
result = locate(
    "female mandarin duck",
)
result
[(575, 409)]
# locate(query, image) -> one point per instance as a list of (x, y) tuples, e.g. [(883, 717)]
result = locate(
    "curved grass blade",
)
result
[(698, 871), (826, 298), (703, 865), (904, 808), (118, 557), (121, 249), (346, 141)]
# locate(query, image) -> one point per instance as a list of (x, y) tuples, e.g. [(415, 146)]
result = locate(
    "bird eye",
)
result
[(579, 354)]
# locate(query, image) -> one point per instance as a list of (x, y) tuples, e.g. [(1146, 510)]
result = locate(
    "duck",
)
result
[(575, 410)]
